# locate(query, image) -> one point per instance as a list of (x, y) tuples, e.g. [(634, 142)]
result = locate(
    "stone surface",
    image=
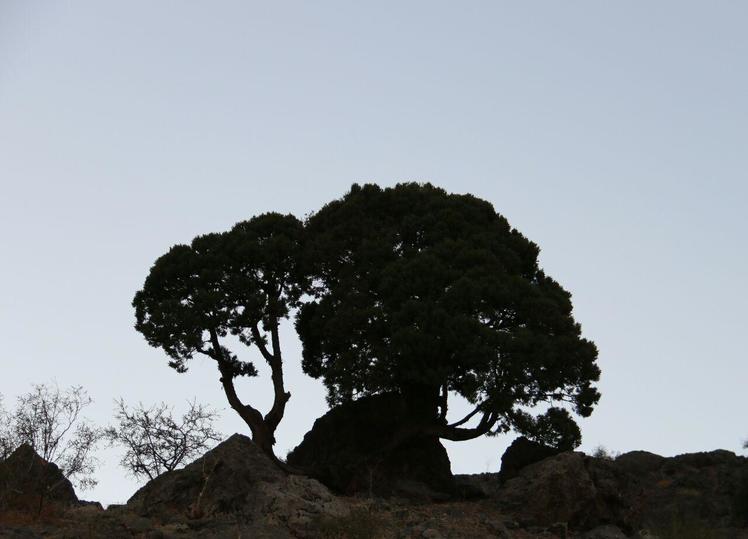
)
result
[(557, 489), (636, 491), (27, 480), (344, 450), (476, 486), (606, 531), (237, 479), (567, 495), (523, 452)]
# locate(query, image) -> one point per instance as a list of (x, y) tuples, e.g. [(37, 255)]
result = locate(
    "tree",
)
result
[(155, 442), (49, 421), (241, 283), (431, 295)]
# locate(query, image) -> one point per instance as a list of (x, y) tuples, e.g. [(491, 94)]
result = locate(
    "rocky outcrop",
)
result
[(707, 489), (557, 489), (237, 480), (523, 452), (636, 491), (347, 450), (27, 481)]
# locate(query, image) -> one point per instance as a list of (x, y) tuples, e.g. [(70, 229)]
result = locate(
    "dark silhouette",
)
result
[(347, 451), (523, 452), (430, 294), (241, 283)]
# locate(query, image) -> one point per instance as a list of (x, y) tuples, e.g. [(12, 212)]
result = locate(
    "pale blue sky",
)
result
[(613, 134)]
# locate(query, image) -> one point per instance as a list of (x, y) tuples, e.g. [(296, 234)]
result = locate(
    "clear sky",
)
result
[(613, 134)]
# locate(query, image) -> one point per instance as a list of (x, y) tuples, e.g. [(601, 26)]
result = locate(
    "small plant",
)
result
[(601, 452)]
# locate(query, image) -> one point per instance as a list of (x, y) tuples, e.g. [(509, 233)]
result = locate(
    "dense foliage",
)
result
[(405, 290), (242, 283), (430, 294)]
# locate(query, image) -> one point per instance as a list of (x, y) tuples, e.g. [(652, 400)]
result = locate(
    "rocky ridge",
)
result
[(235, 491)]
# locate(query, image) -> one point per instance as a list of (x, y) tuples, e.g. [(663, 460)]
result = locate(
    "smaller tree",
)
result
[(49, 420), (242, 283), (155, 442)]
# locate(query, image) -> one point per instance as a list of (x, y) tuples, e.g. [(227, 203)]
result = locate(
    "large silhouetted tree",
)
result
[(241, 283), (430, 294)]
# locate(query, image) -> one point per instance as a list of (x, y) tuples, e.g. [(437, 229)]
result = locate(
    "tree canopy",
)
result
[(430, 294), (406, 290), (242, 283)]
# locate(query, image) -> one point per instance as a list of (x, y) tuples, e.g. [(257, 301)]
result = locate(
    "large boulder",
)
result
[(27, 482), (557, 489), (573, 488), (237, 480), (708, 489), (347, 450), (637, 490), (523, 452)]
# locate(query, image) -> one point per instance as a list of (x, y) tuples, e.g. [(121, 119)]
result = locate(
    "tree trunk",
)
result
[(422, 402)]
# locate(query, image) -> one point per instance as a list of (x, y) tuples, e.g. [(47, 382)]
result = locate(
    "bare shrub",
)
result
[(601, 452), (49, 420), (155, 442)]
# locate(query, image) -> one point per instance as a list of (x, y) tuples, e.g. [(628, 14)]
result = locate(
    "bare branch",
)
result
[(49, 421), (155, 442)]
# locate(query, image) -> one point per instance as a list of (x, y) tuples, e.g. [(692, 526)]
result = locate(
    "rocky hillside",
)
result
[(235, 491)]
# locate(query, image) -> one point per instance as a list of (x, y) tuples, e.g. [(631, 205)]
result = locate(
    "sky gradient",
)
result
[(611, 134)]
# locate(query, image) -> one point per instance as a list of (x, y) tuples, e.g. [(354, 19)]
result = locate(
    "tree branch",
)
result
[(467, 417), (259, 341), (450, 432), (281, 396), (250, 415)]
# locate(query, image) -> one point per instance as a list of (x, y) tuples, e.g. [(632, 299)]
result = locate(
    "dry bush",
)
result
[(155, 442)]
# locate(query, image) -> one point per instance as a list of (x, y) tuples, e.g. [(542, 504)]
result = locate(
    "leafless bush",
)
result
[(601, 452), (155, 442), (49, 420)]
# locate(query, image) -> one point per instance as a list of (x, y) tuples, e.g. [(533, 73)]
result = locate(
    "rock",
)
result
[(639, 462), (344, 451), (93, 504), (559, 529), (523, 452), (476, 486), (605, 532), (557, 489), (138, 524), (497, 528), (221, 481), (26, 480), (698, 490), (638, 490), (237, 479)]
